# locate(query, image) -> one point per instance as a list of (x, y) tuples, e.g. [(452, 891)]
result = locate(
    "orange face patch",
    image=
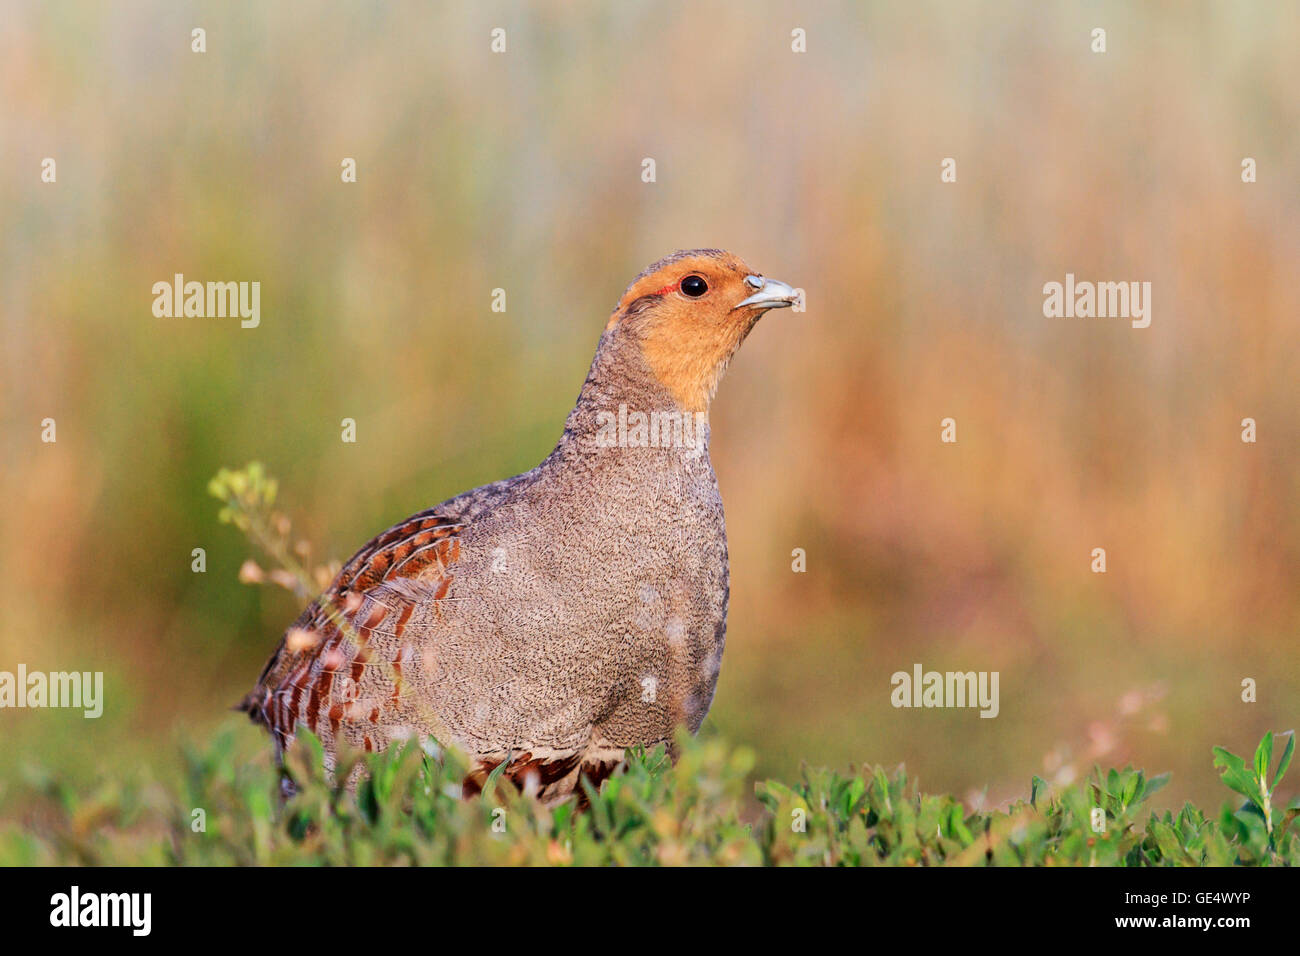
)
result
[(688, 332)]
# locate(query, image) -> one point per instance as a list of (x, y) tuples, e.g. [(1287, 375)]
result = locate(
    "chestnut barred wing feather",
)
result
[(314, 676)]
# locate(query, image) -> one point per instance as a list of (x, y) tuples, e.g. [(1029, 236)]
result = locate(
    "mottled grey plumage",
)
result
[(556, 618)]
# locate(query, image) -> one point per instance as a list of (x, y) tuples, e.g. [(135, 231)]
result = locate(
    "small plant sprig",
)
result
[(248, 495), (1263, 827)]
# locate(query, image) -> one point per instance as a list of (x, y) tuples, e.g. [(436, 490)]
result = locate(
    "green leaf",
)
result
[(1286, 757), (1235, 775), (490, 784), (1155, 783), (1264, 757), (1130, 789), (1241, 783), (1226, 758)]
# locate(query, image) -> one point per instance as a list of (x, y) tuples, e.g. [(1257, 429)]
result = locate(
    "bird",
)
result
[(554, 620)]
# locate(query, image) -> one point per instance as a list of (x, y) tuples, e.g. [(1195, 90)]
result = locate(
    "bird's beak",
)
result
[(771, 294)]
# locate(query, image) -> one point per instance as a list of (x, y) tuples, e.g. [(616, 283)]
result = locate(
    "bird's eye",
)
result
[(694, 286)]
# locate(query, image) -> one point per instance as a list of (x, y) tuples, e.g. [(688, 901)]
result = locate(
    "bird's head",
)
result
[(689, 312)]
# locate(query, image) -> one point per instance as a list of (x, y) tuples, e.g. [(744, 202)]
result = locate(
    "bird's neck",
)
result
[(623, 405)]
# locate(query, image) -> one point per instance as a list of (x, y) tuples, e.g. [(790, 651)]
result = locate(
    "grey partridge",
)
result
[(554, 619)]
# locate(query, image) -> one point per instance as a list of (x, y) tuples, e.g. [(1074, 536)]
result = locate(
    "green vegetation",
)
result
[(407, 810)]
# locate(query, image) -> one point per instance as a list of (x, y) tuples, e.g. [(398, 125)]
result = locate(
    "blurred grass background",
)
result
[(522, 171)]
